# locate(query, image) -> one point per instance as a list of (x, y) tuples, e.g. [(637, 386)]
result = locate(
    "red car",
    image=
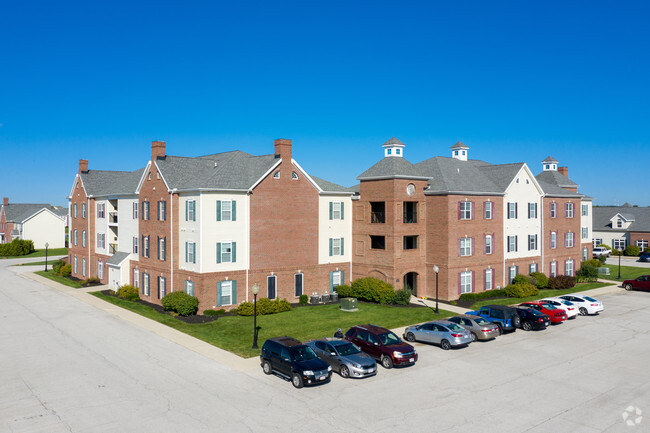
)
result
[(641, 283), (555, 314)]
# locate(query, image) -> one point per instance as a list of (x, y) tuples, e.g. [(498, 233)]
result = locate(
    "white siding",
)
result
[(522, 191), (189, 231), (586, 221), (127, 228), (328, 229), (101, 226), (45, 227)]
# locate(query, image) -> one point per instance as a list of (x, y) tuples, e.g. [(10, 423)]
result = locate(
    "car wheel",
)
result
[(500, 328), (410, 337), (444, 344), (516, 321), (266, 366), (474, 337), (296, 380), (526, 326), (386, 361), (344, 372), (583, 311), (628, 287)]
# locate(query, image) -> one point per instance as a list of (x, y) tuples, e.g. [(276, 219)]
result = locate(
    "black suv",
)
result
[(532, 319), (293, 360)]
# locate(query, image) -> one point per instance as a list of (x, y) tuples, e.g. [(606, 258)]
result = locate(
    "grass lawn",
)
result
[(59, 279), (542, 294), (50, 262), (627, 272), (41, 253), (235, 333)]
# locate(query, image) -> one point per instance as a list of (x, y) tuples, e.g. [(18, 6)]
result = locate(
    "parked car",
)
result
[(586, 305), (344, 357), (556, 315), (294, 361), (479, 328), (532, 319), (644, 257), (443, 333), (640, 283), (569, 307), (506, 318), (383, 345), (601, 251)]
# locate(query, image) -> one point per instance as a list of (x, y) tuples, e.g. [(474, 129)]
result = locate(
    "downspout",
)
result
[(171, 236), (88, 235)]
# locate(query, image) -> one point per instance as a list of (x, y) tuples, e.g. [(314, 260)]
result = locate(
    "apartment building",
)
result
[(41, 223), (620, 226)]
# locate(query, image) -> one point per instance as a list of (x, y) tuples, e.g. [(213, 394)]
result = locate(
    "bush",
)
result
[(56, 266), (616, 253), (602, 259), (540, 280), (128, 292), (344, 291), (592, 262), (561, 282), (181, 303), (214, 312), (303, 299), (521, 290), (488, 294), (264, 306), (605, 246), (522, 279), (632, 250), (17, 247), (373, 290), (402, 297), (91, 280), (65, 270), (587, 273)]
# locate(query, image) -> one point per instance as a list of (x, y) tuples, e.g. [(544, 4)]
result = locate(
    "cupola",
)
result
[(459, 151), (393, 147), (550, 164)]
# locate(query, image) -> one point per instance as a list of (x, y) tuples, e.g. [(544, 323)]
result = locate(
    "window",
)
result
[(597, 242), (585, 210), (270, 286), (532, 268), (189, 287), (136, 278), (619, 223), (145, 284), (585, 254), (377, 212), (512, 243), (162, 249), (226, 252), (553, 210), (294, 175), (336, 279), (83, 210), (488, 244), (643, 245), (568, 268), (145, 246), (101, 240), (135, 245), (378, 242), (336, 247), (74, 210), (75, 237), (190, 210), (465, 282), (553, 272), (585, 232), (397, 151), (532, 242), (512, 210), (190, 252), (618, 244), (74, 265), (410, 242), (226, 210), (135, 210), (464, 210), (488, 210), (512, 273), (568, 240), (83, 267), (410, 212), (162, 210), (83, 238), (227, 293), (465, 247), (568, 210), (145, 210), (336, 210), (389, 151), (488, 279), (162, 287), (101, 208), (276, 175), (297, 284), (532, 210), (553, 239)]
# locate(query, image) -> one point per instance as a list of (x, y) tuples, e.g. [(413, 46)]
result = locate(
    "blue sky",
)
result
[(515, 81)]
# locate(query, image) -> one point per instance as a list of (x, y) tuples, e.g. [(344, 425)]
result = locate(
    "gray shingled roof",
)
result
[(628, 216), (100, 183), (549, 159), (329, 186), (18, 212), (451, 175), (556, 191), (392, 167), (603, 214), (555, 178), (61, 211), (459, 145), (117, 258)]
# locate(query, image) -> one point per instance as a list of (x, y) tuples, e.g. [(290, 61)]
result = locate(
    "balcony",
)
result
[(112, 218), (112, 248)]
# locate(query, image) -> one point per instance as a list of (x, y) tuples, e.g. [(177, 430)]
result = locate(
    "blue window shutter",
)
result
[(218, 252), (331, 247), (219, 294), (342, 250), (342, 213), (186, 251), (233, 211), (342, 277), (331, 281), (233, 298), (185, 284), (187, 210), (471, 210), (516, 210), (193, 253), (218, 210), (331, 210), (234, 252)]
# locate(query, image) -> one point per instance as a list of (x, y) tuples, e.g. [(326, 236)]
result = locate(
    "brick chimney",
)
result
[(283, 148), (157, 149), (5, 201), (564, 171), (83, 165)]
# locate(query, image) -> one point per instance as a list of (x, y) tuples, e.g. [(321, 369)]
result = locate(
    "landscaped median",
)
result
[(235, 333)]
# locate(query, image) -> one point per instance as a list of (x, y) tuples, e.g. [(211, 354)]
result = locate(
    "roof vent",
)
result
[(215, 164)]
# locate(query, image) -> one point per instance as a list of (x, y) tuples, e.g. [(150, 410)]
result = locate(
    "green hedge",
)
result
[(402, 297), (632, 250), (521, 290), (488, 294), (561, 282), (128, 292), (373, 290), (264, 306), (17, 247), (540, 280), (65, 270), (344, 291), (303, 299), (180, 302)]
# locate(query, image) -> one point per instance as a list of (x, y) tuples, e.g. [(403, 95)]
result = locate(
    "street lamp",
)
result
[(436, 270), (255, 290), (620, 253), (46, 246)]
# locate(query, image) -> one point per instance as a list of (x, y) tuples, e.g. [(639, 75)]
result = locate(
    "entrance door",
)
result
[(411, 282)]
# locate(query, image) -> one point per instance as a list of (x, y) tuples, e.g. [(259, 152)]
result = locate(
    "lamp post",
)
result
[(436, 270), (255, 290), (46, 246), (620, 253)]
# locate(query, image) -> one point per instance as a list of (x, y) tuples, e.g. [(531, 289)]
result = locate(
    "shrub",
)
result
[(17, 247), (56, 266), (128, 292), (65, 270), (540, 280), (587, 272), (632, 250), (617, 253), (602, 259), (344, 291), (488, 294), (402, 297), (522, 279), (245, 308), (521, 290), (592, 262), (303, 299), (181, 303), (264, 306), (561, 282), (373, 290), (214, 312)]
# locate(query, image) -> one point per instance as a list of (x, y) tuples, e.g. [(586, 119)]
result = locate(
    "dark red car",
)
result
[(383, 345), (555, 314), (641, 283)]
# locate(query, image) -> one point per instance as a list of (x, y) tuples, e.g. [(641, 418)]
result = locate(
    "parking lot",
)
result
[(66, 366)]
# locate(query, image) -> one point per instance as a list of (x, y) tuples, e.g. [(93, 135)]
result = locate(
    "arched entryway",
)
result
[(411, 282)]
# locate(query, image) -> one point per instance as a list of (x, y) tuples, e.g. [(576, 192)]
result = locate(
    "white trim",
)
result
[(532, 177), (144, 175), (265, 175)]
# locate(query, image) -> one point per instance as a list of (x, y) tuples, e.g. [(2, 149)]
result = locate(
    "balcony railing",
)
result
[(112, 248), (112, 217), (377, 217)]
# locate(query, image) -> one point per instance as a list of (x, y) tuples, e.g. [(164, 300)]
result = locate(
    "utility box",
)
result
[(349, 304), (603, 270)]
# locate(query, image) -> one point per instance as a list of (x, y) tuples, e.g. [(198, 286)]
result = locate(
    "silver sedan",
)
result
[(441, 332), (479, 328), (344, 357)]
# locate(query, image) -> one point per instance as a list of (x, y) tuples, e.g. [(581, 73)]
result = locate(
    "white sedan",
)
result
[(568, 306), (586, 305)]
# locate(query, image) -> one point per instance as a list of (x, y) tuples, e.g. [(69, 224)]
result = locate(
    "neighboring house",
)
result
[(40, 223), (620, 226)]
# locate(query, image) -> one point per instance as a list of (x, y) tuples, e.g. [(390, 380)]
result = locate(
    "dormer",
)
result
[(622, 221), (393, 147), (459, 151), (550, 164)]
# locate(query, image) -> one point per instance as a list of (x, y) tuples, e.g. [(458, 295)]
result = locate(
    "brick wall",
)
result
[(561, 225)]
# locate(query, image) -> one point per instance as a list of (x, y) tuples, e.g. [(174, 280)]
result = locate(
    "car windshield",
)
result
[(481, 321), (590, 299), (302, 353), (454, 327), (389, 338), (347, 349)]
